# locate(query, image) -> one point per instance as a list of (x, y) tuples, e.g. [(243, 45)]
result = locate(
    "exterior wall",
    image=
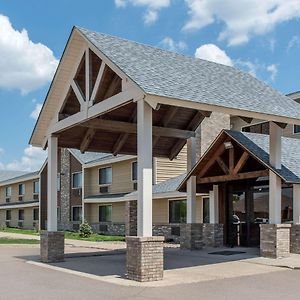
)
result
[(28, 222), (121, 178), (166, 169)]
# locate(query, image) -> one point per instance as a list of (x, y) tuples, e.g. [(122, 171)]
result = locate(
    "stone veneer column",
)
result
[(191, 236), (145, 258), (295, 239), (131, 218), (65, 184), (275, 240), (52, 246), (213, 235)]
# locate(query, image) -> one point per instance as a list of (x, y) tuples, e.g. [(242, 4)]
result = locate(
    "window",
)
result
[(205, 210), (8, 215), (177, 211), (105, 213), (134, 171), (8, 191), (21, 215), (21, 189), (36, 187), (105, 175), (77, 180), (263, 128), (296, 128), (76, 213), (58, 182), (35, 214)]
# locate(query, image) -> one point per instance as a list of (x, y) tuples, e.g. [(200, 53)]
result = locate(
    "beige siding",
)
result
[(166, 169), (118, 212), (121, 178)]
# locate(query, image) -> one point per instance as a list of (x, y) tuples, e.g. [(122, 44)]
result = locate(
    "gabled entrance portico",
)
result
[(116, 96)]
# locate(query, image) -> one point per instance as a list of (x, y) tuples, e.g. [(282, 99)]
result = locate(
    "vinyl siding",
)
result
[(118, 212)]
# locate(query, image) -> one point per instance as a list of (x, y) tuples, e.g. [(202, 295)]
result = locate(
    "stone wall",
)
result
[(275, 240), (109, 228), (213, 235), (295, 239), (52, 246), (171, 232), (144, 258), (131, 218)]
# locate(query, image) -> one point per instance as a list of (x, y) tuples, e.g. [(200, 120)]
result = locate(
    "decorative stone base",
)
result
[(145, 258), (275, 240), (197, 235), (295, 239), (52, 246), (191, 236)]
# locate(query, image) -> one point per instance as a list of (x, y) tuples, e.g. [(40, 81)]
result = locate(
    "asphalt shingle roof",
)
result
[(258, 144), (163, 73), (7, 175)]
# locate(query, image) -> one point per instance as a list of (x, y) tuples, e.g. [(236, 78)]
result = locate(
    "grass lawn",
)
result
[(69, 235), (17, 241)]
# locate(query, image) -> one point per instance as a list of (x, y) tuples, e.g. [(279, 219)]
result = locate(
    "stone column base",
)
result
[(275, 240), (52, 247), (213, 235), (145, 258), (191, 236), (295, 239), (131, 218)]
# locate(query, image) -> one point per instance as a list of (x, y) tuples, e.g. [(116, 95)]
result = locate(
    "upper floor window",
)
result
[(8, 191), (105, 175), (134, 171), (77, 180), (296, 128), (21, 189), (177, 211), (36, 187), (263, 128)]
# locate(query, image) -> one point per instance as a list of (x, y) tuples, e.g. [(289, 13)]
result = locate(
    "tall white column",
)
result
[(296, 203), (144, 151), (214, 205), (82, 195), (191, 183), (52, 184), (274, 180)]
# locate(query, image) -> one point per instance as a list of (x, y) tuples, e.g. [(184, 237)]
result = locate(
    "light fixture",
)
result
[(228, 145)]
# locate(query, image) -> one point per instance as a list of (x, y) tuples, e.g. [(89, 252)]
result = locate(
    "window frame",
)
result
[(105, 205), (105, 184), (172, 200), (72, 213), (24, 191), (132, 163), (6, 189), (21, 220), (34, 209), (79, 187), (294, 132), (6, 211), (33, 187), (205, 199)]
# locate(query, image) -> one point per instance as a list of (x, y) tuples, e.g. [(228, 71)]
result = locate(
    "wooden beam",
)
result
[(89, 135), (281, 125), (222, 165), (98, 81), (124, 136), (241, 162), (231, 177), (131, 128), (88, 74), (80, 97), (193, 125), (231, 160), (246, 119)]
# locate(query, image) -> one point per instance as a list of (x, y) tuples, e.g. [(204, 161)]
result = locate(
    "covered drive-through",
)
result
[(116, 96)]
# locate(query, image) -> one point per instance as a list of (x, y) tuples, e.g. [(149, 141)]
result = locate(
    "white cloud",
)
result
[(241, 19), (32, 160), (273, 70), (36, 112), (294, 42), (169, 44), (24, 65), (152, 7), (213, 53)]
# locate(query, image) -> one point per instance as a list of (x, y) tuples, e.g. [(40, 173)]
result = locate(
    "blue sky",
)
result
[(260, 37)]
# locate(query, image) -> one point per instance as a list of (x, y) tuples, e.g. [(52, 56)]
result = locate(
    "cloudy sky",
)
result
[(259, 37)]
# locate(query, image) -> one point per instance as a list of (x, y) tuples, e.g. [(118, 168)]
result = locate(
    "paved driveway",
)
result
[(76, 278)]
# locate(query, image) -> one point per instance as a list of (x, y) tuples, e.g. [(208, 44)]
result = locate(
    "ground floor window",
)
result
[(21, 215), (35, 214), (76, 213), (177, 211), (105, 212), (8, 215), (206, 210)]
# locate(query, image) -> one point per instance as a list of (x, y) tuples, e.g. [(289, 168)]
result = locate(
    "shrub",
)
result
[(85, 230)]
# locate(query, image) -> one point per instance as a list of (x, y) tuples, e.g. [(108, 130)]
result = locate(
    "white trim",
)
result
[(106, 200), (18, 180), (21, 205), (108, 161), (105, 184)]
